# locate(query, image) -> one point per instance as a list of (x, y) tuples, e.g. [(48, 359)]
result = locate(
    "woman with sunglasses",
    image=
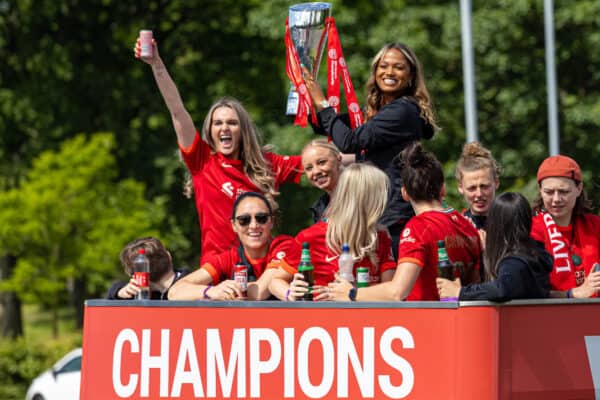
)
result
[(357, 203), (226, 161), (398, 112), (252, 221)]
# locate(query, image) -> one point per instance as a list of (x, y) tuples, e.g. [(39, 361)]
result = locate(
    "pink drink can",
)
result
[(146, 43)]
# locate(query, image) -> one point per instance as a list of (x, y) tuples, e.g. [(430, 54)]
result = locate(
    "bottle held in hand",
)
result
[(141, 274), (445, 267), (346, 264), (307, 270)]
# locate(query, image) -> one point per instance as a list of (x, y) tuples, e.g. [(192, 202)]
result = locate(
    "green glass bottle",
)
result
[(308, 271)]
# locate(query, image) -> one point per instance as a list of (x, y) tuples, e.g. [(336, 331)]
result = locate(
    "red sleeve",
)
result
[(196, 154), (412, 248), (286, 168), (384, 251), (220, 266), (285, 253)]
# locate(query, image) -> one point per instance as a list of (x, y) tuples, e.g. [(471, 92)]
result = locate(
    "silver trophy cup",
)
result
[(309, 36)]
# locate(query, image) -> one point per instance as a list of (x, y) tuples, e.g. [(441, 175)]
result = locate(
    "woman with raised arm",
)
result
[(225, 162), (398, 112), (423, 187), (570, 233), (351, 217), (516, 266), (258, 251)]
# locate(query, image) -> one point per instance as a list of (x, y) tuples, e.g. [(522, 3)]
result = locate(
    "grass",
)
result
[(37, 325)]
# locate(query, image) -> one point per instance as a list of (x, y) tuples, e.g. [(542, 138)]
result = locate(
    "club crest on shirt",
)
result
[(227, 188), (280, 255), (406, 238)]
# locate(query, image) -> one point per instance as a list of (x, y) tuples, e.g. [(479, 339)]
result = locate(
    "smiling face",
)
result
[(559, 196), (322, 167), (393, 74), (479, 189), (225, 132), (253, 224)]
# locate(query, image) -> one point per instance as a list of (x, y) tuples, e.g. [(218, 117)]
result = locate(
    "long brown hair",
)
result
[(415, 90), (256, 167), (508, 231)]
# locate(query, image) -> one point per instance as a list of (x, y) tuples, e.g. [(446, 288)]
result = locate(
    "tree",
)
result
[(69, 219)]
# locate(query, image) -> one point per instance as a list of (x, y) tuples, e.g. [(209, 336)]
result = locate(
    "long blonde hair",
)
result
[(256, 167), (416, 89), (357, 203)]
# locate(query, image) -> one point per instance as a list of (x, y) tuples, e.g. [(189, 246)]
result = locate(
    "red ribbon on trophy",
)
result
[(335, 59), (335, 63), (294, 73)]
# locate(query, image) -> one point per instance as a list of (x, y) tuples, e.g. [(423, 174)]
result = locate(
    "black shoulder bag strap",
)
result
[(249, 269)]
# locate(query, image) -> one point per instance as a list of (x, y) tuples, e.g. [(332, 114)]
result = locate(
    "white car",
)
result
[(61, 382)]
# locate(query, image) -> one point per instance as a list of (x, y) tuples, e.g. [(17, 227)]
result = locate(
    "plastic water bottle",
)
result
[(141, 274), (346, 264)]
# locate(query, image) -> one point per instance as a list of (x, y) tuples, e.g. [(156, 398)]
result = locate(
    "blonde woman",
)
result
[(322, 163), (415, 277), (225, 162), (357, 204)]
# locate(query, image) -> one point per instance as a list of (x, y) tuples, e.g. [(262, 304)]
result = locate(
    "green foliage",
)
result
[(73, 218), (21, 360)]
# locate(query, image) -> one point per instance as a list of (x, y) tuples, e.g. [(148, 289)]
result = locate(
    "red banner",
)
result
[(256, 351)]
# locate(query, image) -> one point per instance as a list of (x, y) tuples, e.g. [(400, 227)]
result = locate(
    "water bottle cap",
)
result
[(141, 251), (305, 245), (345, 247)]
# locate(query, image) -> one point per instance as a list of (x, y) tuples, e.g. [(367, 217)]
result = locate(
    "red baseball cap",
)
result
[(560, 167)]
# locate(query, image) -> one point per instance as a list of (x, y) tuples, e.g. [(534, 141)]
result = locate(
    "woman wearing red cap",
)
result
[(569, 232)]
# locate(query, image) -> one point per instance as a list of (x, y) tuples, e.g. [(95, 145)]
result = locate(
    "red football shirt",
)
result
[(579, 240), (218, 181), (325, 261), (282, 250), (418, 245)]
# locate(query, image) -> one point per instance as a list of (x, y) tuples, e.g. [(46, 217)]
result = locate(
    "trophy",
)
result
[(307, 25)]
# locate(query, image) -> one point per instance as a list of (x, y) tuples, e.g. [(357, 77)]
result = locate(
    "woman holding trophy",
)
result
[(398, 112), (226, 161)]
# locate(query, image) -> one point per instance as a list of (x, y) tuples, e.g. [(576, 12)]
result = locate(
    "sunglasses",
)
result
[(260, 218)]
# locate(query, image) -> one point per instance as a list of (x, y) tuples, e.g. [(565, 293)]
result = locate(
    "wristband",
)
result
[(352, 294), (287, 295), (205, 292), (570, 294)]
